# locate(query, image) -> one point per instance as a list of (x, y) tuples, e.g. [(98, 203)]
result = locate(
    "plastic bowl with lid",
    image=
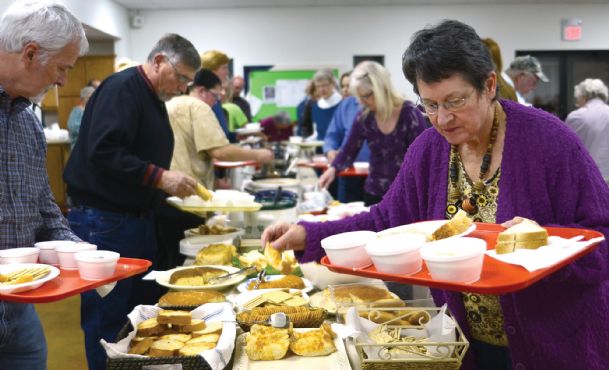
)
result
[(66, 253), (48, 252), (96, 264), (397, 253), (456, 260), (19, 255), (349, 249)]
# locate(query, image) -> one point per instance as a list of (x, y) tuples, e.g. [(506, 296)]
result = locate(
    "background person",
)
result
[(504, 89), (39, 43), (118, 173), (304, 111), (387, 122), (451, 71), (591, 120), (199, 140), (327, 101), (523, 75), (238, 83), (350, 189), (76, 114), (217, 62), (278, 127)]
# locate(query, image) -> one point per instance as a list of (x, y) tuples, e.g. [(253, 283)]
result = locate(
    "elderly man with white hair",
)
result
[(591, 120), (39, 43)]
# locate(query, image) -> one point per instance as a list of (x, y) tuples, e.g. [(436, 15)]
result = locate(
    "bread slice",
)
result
[(148, 328), (524, 235), (165, 348), (207, 338), (174, 317), (195, 349), (179, 337), (142, 346), (455, 226), (212, 327), (195, 325)]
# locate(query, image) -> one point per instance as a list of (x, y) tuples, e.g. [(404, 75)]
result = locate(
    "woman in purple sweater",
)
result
[(496, 160), (387, 122)]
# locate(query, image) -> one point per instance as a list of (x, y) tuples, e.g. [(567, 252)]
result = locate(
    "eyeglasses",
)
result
[(366, 96), (451, 105), (182, 79), (216, 95)]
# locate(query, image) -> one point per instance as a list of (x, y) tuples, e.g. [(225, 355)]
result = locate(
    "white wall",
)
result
[(104, 15), (301, 36)]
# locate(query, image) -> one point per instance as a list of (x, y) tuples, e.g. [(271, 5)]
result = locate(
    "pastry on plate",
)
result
[(318, 342), (288, 281), (190, 298), (267, 343)]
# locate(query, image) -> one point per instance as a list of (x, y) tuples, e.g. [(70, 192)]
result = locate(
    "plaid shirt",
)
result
[(28, 212)]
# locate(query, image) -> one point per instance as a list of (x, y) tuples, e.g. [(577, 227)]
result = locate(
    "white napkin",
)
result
[(217, 358), (441, 328), (558, 249)]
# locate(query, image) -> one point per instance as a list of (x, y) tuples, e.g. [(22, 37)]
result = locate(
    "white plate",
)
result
[(334, 361), (310, 144), (162, 278), (425, 227), (242, 298), (243, 286), (18, 288), (248, 130)]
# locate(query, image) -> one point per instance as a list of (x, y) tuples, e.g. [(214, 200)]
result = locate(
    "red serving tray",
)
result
[(347, 172), (69, 283), (497, 277)]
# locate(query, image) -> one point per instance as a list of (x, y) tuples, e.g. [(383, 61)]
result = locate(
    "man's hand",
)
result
[(178, 184), (264, 155)]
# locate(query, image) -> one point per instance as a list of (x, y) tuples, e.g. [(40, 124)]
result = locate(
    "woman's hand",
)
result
[(327, 177), (283, 235)]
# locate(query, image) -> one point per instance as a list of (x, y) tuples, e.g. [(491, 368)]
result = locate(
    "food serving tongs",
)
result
[(221, 278)]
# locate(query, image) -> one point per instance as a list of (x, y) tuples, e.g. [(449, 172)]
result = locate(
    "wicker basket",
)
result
[(447, 355), (188, 362), (300, 317)]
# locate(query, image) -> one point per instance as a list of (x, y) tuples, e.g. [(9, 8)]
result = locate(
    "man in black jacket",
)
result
[(117, 174)]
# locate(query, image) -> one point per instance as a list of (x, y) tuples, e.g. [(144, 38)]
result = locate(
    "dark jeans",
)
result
[(132, 236), (170, 226), (490, 357), (351, 189), (22, 342)]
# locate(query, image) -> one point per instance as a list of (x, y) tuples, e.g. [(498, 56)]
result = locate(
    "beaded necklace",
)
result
[(469, 205)]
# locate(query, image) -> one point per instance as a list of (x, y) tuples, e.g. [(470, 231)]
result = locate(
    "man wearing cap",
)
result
[(523, 75), (199, 140)]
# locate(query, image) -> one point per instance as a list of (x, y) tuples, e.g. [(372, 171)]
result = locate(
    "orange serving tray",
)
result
[(69, 283), (497, 277)]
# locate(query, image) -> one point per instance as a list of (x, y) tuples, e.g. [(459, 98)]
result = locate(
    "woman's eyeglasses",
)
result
[(451, 105)]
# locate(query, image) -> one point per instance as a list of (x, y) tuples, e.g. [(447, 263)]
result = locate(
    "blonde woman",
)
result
[(387, 122)]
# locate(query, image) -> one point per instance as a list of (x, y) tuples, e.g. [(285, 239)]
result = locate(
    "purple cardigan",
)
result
[(562, 321)]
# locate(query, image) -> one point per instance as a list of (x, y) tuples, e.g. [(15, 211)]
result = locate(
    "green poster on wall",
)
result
[(274, 91)]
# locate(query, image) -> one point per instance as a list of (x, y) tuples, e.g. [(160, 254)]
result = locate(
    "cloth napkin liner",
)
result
[(558, 249), (217, 358)]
